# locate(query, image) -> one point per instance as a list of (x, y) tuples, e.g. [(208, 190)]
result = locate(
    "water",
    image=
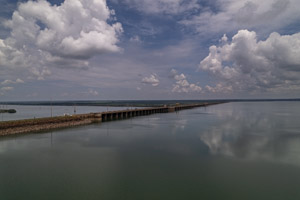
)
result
[(29, 112), (227, 151)]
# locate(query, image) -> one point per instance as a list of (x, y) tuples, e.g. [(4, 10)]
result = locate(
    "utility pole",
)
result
[(51, 107)]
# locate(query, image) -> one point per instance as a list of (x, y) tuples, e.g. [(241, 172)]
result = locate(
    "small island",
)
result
[(8, 111)]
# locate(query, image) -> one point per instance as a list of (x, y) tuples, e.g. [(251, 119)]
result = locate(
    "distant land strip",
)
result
[(49, 123), (8, 111), (134, 103)]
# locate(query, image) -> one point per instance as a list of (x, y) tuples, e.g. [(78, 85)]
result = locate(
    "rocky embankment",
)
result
[(41, 124)]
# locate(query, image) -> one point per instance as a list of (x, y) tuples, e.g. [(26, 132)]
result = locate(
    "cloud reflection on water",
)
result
[(266, 132)]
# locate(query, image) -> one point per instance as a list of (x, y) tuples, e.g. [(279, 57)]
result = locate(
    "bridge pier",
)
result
[(171, 109)]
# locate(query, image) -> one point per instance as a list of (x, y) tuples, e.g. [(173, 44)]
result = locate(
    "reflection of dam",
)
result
[(40, 124)]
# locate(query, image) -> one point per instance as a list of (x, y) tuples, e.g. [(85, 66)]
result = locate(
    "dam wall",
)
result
[(49, 123)]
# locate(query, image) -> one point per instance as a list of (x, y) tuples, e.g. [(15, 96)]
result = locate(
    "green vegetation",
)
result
[(8, 111)]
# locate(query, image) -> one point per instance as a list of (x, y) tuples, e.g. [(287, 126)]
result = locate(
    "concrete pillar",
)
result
[(171, 109)]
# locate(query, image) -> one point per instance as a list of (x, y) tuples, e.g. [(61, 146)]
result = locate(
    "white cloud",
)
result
[(232, 15), (6, 89), (93, 92), (8, 82), (135, 39), (182, 85), (219, 88), (19, 81), (162, 6), (40, 73), (43, 35), (152, 80), (245, 64), (224, 39)]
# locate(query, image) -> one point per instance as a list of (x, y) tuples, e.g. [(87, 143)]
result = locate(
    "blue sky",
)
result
[(140, 49)]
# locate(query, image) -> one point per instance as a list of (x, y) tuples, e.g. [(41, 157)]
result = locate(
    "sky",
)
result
[(142, 49)]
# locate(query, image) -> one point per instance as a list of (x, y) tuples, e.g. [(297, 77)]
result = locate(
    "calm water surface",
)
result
[(229, 151)]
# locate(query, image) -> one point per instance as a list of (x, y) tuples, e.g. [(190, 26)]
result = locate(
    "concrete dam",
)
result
[(49, 123)]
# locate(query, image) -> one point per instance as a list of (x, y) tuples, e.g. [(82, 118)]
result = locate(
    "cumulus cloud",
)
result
[(67, 35), (6, 89), (7, 82), (19, 81), (226, 16), (93, 92), (152, 80), (162, 6), (135, 39), (182, 85), (219, 88), (245, 64)]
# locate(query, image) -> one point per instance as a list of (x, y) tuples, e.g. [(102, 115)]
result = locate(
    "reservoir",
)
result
[(240, 150)]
